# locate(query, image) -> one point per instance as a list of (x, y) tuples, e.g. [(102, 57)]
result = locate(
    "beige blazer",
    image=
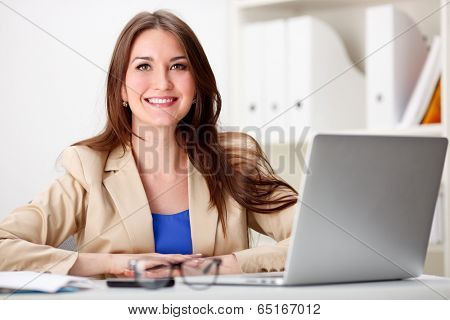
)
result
[(101, 201)]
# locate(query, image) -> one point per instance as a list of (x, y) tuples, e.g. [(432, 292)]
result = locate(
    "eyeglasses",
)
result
[(154, 273)]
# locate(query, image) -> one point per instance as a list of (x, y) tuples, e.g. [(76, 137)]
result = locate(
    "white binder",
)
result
[(299, 60), (397, 54), (424, 88), (252, 77), (299, 69), (274, 75), (337, 85), (322, 75)]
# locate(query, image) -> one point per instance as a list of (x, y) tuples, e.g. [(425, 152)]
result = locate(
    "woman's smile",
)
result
[(161, 102)]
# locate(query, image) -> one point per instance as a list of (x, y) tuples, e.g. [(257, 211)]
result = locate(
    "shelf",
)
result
[(249, 4), (428, 130), (436, 248), (347, 18), (306, 4)]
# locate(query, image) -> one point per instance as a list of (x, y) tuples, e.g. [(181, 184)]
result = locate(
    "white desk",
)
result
[(426, 287)]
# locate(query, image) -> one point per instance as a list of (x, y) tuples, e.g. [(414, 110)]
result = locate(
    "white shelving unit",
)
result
[(347, 18)]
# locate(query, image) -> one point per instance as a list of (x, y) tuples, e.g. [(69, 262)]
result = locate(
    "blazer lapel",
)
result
[(126, 190), (202, 218)]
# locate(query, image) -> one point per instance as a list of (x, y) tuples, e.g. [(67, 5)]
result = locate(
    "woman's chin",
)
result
[(162, 122), (161, 119)]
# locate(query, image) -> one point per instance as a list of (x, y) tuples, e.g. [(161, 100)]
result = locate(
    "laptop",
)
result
[(365, 213)]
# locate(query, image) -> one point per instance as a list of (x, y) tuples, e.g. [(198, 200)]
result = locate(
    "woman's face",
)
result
[(159, 85)]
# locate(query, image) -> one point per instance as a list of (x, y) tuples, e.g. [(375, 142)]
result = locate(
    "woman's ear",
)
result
[(123, 92)]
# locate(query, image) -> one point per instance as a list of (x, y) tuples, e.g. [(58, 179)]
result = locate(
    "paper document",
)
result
[(45, 282)]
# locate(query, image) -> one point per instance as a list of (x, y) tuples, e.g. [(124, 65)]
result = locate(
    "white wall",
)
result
[(53, 59)]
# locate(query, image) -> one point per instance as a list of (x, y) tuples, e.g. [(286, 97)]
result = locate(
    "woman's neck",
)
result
[(158, 154)]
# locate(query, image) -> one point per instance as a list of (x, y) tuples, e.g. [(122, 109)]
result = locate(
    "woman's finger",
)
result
[(128, 273), (159, 273), (195, 262), (184, 257)]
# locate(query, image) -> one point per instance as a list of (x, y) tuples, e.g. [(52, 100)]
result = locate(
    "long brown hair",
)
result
[(232, 163)]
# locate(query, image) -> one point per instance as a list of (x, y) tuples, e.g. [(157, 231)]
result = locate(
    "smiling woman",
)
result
[(160, 180)]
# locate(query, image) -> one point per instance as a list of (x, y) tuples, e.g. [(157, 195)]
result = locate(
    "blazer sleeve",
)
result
[(269, 258), (30, 234), (278, 226)]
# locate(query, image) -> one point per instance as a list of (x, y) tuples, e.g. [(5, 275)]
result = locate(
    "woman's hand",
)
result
[(92, 264), (119, 263), (229, 264)]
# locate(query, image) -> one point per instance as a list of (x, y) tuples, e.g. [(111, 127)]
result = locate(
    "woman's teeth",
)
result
[(161, 102), (157, 100)]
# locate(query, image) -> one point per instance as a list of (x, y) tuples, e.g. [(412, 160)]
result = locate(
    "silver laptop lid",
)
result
[(366, 208)]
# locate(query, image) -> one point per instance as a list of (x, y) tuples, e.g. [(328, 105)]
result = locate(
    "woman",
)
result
[(159, 181)]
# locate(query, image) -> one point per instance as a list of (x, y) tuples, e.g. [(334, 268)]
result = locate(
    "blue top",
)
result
[(172, 233)]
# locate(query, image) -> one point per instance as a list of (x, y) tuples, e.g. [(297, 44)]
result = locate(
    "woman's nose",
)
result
[(161, 80)]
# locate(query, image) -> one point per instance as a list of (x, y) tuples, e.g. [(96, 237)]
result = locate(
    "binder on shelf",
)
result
[(321, 76), (274, 73), (396, 54), (425, 87), (252, 76), (433, 113), (299, 69), (299, 65), (337, 96)]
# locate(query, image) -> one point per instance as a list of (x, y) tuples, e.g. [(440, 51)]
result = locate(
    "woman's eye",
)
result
[(143, 67), (178, 66)]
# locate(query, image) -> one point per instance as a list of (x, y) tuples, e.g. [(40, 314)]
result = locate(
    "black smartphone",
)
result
[(132, 283)]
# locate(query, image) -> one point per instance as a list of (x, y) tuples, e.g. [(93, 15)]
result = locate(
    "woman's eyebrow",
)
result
[(151, 59)]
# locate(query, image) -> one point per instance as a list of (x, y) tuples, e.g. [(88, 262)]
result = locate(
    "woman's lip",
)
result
[(162, 105), (164, 97)]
